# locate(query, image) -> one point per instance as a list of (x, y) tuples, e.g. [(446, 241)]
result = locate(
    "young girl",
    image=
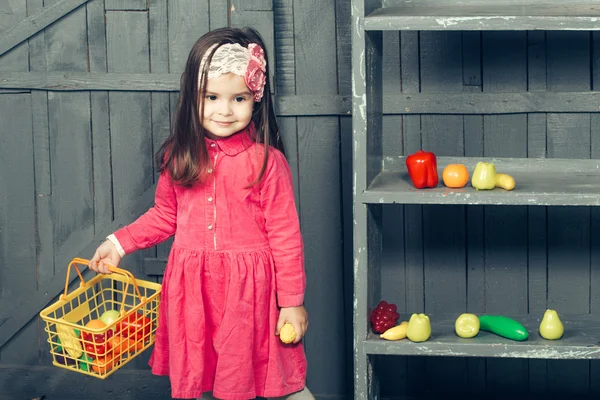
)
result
[(235, 273)]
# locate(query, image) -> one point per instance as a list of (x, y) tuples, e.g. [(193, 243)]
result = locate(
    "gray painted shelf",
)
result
[(555, 182), (427, 15), (580, 341)]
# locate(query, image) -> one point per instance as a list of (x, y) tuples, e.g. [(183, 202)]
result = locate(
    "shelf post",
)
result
[(367, 158)]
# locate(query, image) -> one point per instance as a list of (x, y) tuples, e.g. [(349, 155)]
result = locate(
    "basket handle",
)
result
[(111, 268)]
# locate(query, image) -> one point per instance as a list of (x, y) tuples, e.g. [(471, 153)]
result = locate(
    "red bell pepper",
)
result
[(135, 326), (422, 169)]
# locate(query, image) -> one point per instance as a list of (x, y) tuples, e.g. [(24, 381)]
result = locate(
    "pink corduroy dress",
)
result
[(236, 257)]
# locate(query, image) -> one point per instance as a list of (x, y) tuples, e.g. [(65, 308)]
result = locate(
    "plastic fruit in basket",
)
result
[(122, 345), (96, 344), (135, 326), (102, 365), (69, 340), (109, 316)]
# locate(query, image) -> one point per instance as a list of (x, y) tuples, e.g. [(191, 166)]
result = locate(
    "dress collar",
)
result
[(235, 143)]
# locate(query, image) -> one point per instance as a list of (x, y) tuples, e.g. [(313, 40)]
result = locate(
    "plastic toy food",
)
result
[(503, 326), (484, 176), (287, 334), (110, 316), (96, 344), (396, 333), (455, 175), (69, 339), (422, 169), (467, 325), (384, 316), (505, 181), (551, 327), (419, 328), (135, 326)]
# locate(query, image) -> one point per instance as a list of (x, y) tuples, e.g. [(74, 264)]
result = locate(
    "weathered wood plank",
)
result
[(161, 110), (17, 204), (188, 20), (504, 69), (219, 13), (283, 61), (103, 191), (126, 5), (71, 203), (16, 60), (19, 382), (131, 141), (392, 258), (539, 182), (413, 214), (43, 171), (536, 216), (319, 161), (252, 5), (441, 71), (595, 215), (17, 221), (474, 215), (568, 136), (408, 104), (36, 22), (488, 16)]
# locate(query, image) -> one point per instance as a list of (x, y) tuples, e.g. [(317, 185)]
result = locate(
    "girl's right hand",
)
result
[(106, 254)]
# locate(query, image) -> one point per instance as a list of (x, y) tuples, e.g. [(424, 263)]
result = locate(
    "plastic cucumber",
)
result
[(503, 326)]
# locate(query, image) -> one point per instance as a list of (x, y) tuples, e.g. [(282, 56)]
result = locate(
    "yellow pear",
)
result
[(551, 327)]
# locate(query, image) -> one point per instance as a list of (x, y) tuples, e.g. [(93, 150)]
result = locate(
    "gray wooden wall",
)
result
[(85, 101), (75, 151)]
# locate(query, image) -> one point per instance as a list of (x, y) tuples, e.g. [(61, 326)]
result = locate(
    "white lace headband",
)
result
[(248, 63)]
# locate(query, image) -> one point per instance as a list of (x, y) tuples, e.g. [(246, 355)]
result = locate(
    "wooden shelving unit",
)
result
[(542, 182)]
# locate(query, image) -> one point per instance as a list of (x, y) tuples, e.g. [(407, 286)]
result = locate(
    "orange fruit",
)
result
[(95, 324), (455, 175)]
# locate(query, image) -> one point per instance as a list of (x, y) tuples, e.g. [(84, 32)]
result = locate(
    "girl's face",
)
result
[(228, 106)]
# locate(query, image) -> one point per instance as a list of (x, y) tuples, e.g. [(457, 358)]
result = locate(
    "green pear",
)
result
[(551, 327), (484, 176)]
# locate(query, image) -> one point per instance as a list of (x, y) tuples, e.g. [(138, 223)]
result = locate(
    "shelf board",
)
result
[(539, 182), (580, 341), (431, 15)]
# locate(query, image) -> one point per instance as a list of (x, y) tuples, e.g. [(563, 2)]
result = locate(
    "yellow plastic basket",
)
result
[(103, 324)]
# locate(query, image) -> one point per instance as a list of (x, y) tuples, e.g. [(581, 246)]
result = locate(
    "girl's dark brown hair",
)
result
[(184, 154)]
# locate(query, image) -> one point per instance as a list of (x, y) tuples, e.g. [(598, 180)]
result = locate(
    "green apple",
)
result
[(467, 325), (110, 316)]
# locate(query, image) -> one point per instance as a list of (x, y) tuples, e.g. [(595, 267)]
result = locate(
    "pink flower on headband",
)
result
[(255, 72)]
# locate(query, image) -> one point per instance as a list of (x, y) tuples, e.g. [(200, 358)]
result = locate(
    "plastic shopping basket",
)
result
[(103, 324)]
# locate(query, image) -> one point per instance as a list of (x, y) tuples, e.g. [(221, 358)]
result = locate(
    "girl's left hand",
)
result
[(297, 316)]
